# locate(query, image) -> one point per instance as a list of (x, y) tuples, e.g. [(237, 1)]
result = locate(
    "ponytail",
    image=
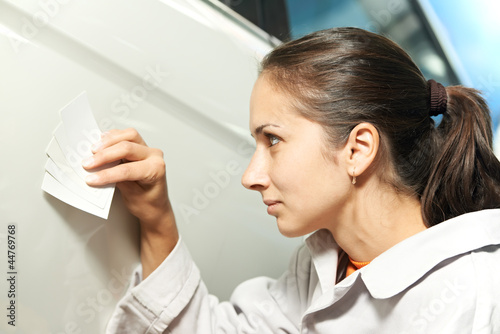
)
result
[(466, 174)]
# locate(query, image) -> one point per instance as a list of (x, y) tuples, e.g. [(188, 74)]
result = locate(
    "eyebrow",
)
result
[(259, 129)]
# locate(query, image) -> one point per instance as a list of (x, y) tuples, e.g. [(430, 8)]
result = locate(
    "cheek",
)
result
[(304, 174), (290, 172), (316, 185), (314, 192)]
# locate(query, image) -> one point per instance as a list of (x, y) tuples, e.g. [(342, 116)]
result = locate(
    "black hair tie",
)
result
[(438, 98)]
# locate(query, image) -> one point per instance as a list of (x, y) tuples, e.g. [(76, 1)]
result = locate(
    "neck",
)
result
[(373, 223)]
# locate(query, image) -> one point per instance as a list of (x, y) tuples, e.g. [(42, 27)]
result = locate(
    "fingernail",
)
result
[(104, 134), (96, 146), (92, 178), (88, 162)]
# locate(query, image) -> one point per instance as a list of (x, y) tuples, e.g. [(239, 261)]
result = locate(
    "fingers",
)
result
[(141, 163), (124, 150), (146, 171), (113, 137)]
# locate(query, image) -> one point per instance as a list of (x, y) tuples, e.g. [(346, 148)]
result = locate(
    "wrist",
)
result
[(158, 239)]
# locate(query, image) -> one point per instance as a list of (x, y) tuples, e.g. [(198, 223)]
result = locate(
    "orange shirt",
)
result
[(352, 266)]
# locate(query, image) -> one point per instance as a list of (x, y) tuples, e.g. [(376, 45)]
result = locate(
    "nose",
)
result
[(256, 176)]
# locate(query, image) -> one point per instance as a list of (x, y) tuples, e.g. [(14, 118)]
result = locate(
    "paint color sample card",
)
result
[(64, 175)]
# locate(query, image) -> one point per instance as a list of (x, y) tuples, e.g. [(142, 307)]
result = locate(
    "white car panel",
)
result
[(178, 71)]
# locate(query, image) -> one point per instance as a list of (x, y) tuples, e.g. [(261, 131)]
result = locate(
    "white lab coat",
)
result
[(445, 279)]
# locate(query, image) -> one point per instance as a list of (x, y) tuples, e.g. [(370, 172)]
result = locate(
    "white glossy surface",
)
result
[(73, 267)]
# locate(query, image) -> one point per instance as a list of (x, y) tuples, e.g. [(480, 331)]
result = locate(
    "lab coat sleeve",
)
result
[(173, 299)]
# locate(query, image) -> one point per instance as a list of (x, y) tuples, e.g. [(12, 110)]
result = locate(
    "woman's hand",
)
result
[(140, 177)]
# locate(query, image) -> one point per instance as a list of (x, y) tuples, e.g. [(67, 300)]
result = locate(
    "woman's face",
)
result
[(302, 185)]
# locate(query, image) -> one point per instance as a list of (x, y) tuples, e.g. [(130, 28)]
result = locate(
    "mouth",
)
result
[(272, 206)]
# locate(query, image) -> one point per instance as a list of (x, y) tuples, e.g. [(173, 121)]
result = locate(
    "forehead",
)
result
[(269, 105)]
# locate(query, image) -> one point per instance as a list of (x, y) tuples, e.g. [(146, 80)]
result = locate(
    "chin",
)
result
[(289, 230)]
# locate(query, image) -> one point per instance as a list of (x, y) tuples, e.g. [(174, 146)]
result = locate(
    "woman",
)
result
[(403, 214)]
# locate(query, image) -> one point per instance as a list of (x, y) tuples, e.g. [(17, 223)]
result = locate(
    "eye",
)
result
[(273, 140)]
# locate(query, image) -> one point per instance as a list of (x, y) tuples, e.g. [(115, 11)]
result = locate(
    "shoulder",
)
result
[(485, 263), (458, 294), (448, 274)]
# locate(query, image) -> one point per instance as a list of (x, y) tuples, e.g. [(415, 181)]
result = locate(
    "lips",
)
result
[(270, 202), (272, 206)]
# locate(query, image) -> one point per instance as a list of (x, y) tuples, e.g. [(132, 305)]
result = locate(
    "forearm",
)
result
[(157, 243), (151, 305)]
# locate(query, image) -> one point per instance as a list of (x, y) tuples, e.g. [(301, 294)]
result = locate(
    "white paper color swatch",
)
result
[(64, 175)]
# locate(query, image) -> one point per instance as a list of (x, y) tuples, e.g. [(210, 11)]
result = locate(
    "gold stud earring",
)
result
[(353, 176)]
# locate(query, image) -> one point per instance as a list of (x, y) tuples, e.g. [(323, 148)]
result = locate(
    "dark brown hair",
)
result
[(345, 76)]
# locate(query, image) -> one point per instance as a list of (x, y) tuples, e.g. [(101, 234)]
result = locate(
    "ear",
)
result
[(361, 148)]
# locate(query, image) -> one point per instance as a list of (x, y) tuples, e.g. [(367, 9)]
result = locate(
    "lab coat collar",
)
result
[(325, 257), (409, 260)]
